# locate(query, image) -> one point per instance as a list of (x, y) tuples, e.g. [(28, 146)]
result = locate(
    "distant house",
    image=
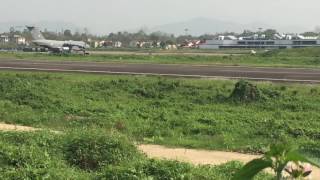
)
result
[(191, 44), (110, 44), (105, 43), (117, 44), (4, 39), (134, 44), (171, 47), (17, 39), (95, 44), (147, 45), (142, 44)]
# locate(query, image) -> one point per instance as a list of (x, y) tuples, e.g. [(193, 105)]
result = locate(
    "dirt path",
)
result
[(194, 156), (9, 127), (202, 157), (198, 157)]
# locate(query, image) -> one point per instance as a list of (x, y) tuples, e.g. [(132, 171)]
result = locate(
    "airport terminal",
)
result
[(256, 42)]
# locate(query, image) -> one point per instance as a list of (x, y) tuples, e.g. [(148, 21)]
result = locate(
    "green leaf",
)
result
[(295, 156), (252, 168)]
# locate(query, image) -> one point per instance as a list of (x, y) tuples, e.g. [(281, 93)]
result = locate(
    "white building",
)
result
[(19, 39), (280, 42), (4, 39), (117, 44)]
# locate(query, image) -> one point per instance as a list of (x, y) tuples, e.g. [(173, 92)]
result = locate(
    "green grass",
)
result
[(98, 113), (192, 113), (87, 154), (308, 57)]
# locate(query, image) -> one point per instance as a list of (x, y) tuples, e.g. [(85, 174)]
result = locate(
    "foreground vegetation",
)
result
[(308, 57), (97, 113), (178, 112), (97, 154)]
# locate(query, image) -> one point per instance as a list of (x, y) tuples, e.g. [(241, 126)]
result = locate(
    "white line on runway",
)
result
[(115, 61), (154, 74), (219, 70)]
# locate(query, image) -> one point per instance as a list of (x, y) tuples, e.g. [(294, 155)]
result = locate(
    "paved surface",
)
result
[(159, 53), (205, 71)]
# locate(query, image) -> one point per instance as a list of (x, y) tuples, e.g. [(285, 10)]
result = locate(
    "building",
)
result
[(110, 44), (4, 39), (191, 44), (256, 42), (17, 39), (117, 44)]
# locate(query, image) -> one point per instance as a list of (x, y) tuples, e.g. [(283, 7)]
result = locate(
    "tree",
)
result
[(270, 33), (12, 30), (67, 33), (162, 44), (155, 36), (246, 33), (86, 31)]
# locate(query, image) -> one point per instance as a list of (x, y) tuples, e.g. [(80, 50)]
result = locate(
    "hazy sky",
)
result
[(113, 15)]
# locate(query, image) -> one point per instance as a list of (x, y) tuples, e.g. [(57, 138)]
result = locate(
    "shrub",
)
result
[(167, 170), (224, 171), (23, 162), (245, 91), (91, 150), (126, 172), (23, 156)]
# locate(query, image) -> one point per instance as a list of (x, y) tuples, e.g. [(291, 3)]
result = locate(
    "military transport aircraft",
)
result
[(54, 45)]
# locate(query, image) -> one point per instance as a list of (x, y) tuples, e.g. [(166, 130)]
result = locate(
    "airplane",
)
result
[(54, 45)]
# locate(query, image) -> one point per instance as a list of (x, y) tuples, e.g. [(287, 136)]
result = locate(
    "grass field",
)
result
[(98, 113), (94, 154), (308, 57), (177, 112)]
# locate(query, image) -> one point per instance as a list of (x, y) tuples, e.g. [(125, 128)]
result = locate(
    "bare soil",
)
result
[(203, 157)]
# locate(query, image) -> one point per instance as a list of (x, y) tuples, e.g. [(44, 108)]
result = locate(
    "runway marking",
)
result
[(115, 61), (155, 74)]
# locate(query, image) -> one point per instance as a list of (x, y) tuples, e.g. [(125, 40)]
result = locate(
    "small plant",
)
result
[(278, 159)]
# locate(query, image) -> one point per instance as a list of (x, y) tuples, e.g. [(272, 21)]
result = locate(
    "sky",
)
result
[(101, 16)]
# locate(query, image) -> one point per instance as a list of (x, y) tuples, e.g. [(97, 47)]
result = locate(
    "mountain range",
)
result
[(199, 26), (196, 26)]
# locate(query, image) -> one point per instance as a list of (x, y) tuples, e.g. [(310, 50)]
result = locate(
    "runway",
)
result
[(178, 70)]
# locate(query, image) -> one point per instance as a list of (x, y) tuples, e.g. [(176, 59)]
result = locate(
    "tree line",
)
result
[(127, 37)]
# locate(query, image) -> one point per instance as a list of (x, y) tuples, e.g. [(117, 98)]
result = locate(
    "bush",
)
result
[(23, 156), (94, 149), (167, 170), (224, 171), (126, 172), (23, 162), (245, 91)]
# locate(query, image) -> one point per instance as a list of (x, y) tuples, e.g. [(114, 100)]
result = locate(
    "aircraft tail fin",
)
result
[(35, 33)]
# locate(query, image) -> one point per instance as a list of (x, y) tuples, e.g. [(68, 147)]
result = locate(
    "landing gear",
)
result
[(83, 50)]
